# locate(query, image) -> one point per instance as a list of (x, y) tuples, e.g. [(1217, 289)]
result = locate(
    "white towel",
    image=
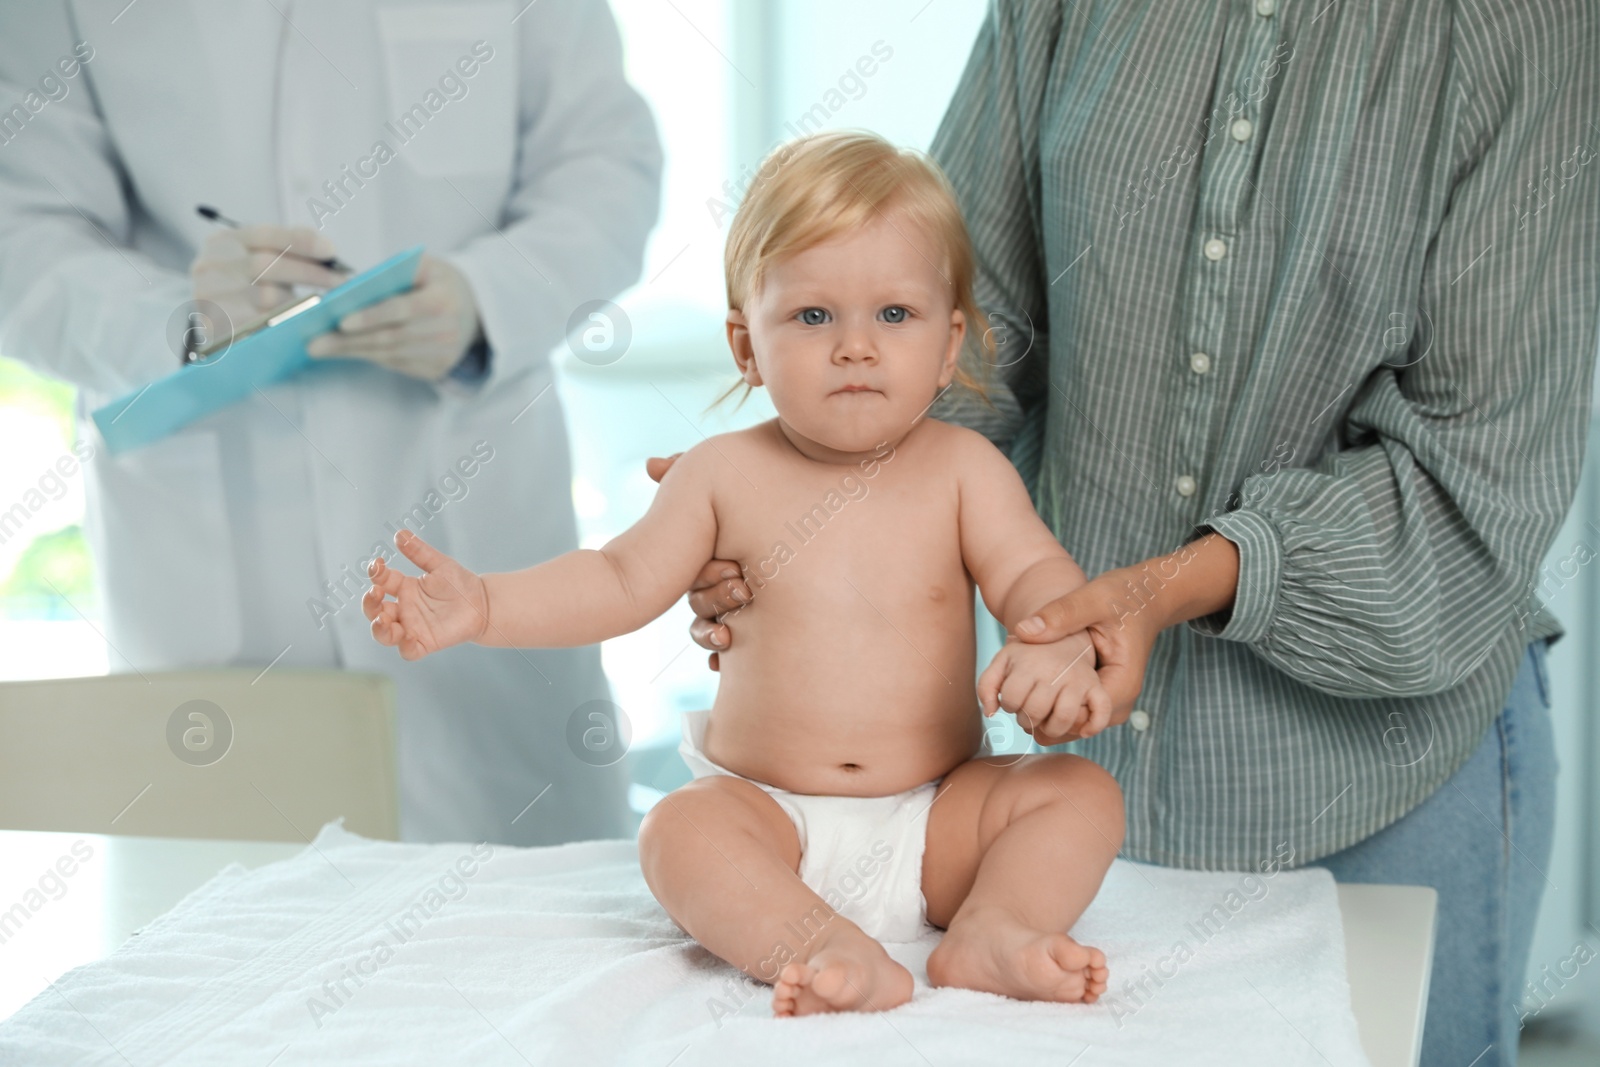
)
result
[(360, 951)]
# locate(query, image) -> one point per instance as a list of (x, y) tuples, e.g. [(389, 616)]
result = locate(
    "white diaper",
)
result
[(861, 855)]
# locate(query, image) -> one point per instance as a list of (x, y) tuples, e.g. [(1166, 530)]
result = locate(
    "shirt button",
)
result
[(1216, 248), (1241, 129), (1139, 719), (1199, 362), (1185, 485), (1265, 8)]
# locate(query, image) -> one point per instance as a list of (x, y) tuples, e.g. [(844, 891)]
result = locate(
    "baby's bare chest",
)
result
[(853, 538)]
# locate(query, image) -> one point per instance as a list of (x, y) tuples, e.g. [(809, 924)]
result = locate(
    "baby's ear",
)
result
[(952, 355), (739, 343)]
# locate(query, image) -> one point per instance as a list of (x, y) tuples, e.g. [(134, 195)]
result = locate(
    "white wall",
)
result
[(1570, 910)]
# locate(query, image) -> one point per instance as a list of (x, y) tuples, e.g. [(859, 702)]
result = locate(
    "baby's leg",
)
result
[(1016, 851), (721, 856)]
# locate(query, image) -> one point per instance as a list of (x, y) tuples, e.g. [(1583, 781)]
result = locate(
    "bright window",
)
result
[(727, 82)]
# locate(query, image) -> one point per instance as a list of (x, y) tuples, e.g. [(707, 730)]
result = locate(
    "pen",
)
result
[(332, 262)]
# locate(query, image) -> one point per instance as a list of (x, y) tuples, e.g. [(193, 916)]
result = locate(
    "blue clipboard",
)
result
[(169, 404)]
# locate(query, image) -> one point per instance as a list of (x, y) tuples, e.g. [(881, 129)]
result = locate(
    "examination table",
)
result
[(350, 950)]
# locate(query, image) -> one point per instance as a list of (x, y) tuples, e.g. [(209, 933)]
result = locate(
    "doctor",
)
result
[(505, 141)]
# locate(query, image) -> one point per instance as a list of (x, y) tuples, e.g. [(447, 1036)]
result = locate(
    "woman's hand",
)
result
[(1122, 636), (446, 606), (718, 590), (1125, 609)]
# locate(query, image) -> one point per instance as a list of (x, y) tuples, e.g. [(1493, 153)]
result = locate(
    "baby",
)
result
[(842, 794)]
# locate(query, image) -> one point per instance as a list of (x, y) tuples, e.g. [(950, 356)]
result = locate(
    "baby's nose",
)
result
[(856, 347)]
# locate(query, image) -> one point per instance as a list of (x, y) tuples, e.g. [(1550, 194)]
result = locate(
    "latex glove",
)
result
[(250, 270), (421, 333)]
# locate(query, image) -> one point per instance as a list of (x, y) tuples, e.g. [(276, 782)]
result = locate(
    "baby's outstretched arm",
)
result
[(578, 598), (1019, 567)]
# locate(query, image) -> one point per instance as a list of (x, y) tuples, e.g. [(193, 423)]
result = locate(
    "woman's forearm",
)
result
[(1197, 579)]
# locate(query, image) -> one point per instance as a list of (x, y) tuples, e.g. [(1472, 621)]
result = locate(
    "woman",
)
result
[(1298, 306)]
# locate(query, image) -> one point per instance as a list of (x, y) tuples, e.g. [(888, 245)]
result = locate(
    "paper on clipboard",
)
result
[(168, 404)]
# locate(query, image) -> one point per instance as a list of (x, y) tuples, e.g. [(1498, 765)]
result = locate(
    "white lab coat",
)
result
[(217, 546)]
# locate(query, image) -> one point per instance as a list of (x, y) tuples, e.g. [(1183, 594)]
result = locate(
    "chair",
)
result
[(233, 753)]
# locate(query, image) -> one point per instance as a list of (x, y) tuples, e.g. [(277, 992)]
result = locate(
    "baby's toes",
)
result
[(1095, 980), (786, 990), (1077, 978), (1071, 956), (1095, 976)]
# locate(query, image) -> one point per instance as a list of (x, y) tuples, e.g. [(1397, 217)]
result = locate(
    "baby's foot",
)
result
[(996, 952), (845, 971)]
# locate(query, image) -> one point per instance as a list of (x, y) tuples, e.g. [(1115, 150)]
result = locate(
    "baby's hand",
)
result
[(1052, 689), (446, 606)]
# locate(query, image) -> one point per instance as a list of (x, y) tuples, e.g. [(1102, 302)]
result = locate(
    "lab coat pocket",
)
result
[(451, 72)]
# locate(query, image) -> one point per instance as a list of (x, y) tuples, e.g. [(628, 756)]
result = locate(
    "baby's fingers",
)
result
[(418, 551), (1099, 702), (385, 577), (989, 683), (1021, 697), (372, 602), (1063, 717), (386, 628), (1036, 706)]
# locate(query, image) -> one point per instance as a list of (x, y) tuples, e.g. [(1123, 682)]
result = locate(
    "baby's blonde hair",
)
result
[(817, 187)]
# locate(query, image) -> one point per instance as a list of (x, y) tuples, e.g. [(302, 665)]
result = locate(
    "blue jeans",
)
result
[(1483, 841)]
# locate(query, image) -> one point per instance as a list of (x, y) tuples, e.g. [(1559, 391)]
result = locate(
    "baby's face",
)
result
[(853, 338)]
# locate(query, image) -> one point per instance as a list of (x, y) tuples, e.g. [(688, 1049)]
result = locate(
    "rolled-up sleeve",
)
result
[(1397, 562)]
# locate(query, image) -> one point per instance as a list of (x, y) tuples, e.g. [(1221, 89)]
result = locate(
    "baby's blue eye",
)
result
[(813, 316), (894, 314)]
